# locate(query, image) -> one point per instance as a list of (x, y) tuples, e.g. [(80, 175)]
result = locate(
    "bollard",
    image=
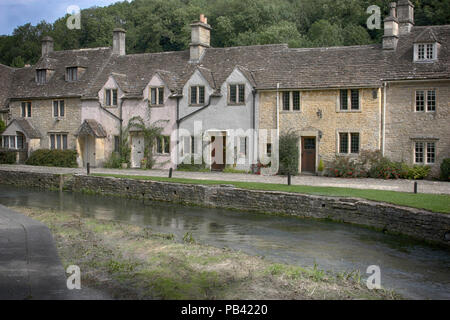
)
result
[(170, 173), (88, 169), (415, 186), (289, 178)]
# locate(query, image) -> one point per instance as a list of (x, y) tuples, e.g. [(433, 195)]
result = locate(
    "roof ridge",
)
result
[(372, 45)]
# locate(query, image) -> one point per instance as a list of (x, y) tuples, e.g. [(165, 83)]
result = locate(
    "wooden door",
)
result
[(89, 149), (218, 147), (308, 154), (137, 150)]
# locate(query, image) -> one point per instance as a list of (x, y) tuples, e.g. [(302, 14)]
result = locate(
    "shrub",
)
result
[(53, 158), (2, 126), (418, 172), (192, 166), (114, 161), (7, 157), (445, 169), (346, 168), (321, 166), (288, 153), (384, 169)]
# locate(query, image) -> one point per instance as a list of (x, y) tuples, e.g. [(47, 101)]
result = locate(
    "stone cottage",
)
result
[(213, 104)]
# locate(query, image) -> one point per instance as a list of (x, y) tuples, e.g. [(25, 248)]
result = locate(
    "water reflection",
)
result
[(412, 268)]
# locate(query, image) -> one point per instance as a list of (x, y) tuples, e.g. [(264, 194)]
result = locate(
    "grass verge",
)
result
[(133, 262), (432, 202)]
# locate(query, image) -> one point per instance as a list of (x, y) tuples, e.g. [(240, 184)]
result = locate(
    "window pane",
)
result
[(241, 93), (421, 52), (269, 149), (309, 143), (61, 108), (12, 142), (64, 138), (429, 51), (159, 148), (29, 109), (420, 101), (296, 100), (20, 142), (201, 95), (431, 100), (153, 96), (286, 103), (344, 99), (193, 95), (114, 91), (116, 143), (431, 152), (166, 144), (55, 108), (23, 109), (161, 95), (418, 158), (354, 143), (243, 146), (58, 141), (52, 141), (355, 99), (6, 142), (343, 142), (233, 93), (108, 97)]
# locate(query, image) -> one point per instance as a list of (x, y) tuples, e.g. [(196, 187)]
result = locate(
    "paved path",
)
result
[(424, 186), (29, 264)]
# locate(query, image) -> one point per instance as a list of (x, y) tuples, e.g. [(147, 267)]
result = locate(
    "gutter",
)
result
[(278, 110), (255, 145), (196, 111), (383, 128)]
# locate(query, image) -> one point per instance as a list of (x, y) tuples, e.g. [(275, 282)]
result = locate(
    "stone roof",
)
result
[(6, 78), (27, 128), (91, 127), (400, 64), (264, 66)]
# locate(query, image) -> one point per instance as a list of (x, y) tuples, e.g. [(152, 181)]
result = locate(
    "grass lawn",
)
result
[(431, 202)]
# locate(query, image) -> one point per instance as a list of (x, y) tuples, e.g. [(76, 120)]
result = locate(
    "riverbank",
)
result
[(128, 261)]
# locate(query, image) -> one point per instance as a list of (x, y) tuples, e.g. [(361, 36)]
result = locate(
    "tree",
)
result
[(323, 33), (2, 126)]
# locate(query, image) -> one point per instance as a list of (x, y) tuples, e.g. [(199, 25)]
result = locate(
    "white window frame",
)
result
[(425, 46), (349, 142), (425, 101), (157, 96), (425, 144)]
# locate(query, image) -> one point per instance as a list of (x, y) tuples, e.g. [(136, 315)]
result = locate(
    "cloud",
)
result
[(15, 13)]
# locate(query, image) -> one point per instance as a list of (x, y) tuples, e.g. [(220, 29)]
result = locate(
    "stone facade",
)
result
[(404, 125), (417, 223), (320, 117), (42, 119)]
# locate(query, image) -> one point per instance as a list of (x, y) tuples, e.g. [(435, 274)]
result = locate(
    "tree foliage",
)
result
[(163, 25)]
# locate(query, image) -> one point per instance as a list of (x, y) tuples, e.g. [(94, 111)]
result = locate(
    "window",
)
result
[(243, 146), (111, 97), (291, 100), (72, 74), (188, 145), (6, 142), (163, 145), (355, 99), (58, 108), (58, 141), (269, 149), (41, 76), (425, 52), (116, 144), (157, 96), (344, 99), (349, 142), (166, 141), (425, 98), (26, 109), (424, 152), (197, 95), (20, 142), (236, 94), (349, 97)]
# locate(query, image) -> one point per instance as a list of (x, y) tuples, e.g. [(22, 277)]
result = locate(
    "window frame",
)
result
[(425, 152), (422, 48), (58, 143), (349, 148), (109, 93), (59, 108), (71, 74), (41, 79), (26, 109), (239, 88), (349, 100), (426, 107), (290, 95), (197, 95), (158, 100)]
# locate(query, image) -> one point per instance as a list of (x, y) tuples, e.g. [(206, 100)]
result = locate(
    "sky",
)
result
[(15, 13)]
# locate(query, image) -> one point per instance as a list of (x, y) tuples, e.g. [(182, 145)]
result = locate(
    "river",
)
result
[(412, 268)]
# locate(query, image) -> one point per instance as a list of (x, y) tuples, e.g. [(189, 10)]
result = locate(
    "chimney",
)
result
[(405, 13), (200, 38), (390, 37), (119, 41), (47, 45)]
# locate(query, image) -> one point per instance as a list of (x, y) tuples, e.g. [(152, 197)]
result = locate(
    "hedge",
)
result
[(445, 169), (7, 157), (53, 158)]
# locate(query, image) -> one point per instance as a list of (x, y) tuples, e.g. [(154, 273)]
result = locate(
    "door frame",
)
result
[(308, 134), (88, 151), (217, 133)]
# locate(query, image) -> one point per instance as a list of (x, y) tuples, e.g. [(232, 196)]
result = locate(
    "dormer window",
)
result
[(111, 97), (71, 74), (425, 52), (41, 76)]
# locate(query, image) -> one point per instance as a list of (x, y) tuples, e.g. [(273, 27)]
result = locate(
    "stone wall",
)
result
[(416, 223), (326, 127), (404, 125)]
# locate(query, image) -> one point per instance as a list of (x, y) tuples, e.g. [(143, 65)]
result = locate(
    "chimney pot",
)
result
[(119, 41), (405, 14), (47, 45), (200, 38)]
